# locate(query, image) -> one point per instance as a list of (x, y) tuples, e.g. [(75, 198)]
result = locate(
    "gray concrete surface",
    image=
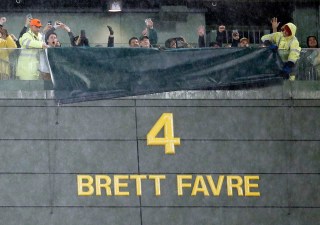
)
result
[(272, 133)]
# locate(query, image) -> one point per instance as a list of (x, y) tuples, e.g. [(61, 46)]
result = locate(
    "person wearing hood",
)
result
[(288, 44)]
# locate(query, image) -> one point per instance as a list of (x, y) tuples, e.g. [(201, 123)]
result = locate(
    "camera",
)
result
[(29, 16)]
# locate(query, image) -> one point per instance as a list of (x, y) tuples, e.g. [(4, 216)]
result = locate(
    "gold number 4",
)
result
[(168, 141)]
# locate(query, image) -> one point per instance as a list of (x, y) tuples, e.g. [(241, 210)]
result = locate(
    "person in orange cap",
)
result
[(33, 38), (28, 63)]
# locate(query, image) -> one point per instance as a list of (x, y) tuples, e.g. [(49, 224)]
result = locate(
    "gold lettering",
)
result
[(199, 182), (180, 183), (248, 185), (138, 179), (237, 185), (118, 185), (215, 189), (157, 187), (206, 185), (105, 185), (85, 182)]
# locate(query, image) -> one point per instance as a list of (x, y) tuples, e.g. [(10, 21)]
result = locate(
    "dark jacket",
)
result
[(153, 37)]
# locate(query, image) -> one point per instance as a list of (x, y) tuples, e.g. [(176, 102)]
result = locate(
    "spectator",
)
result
[(221, 35), (144, 42), (134, 42), (288, 45), (312, 42), (309, 62), (151, 33), (6, 42), (201, 40), (235, 38), (28, 62), (51, 38), (177, 42), (244, 42), (173, 43), (214, 44)]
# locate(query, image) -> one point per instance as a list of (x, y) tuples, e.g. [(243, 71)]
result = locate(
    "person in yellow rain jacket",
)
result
[(6, 42), (287, 45), (28, 63)]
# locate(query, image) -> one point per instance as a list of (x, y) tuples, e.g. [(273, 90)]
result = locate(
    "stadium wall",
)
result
[(262, 144)]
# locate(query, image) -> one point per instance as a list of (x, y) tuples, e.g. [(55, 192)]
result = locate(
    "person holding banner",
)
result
[(288, 46)]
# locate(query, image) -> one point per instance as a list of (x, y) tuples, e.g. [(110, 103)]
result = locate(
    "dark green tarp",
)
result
[(82, 74)]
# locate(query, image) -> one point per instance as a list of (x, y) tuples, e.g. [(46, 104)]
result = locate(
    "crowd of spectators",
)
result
[(32, 65)]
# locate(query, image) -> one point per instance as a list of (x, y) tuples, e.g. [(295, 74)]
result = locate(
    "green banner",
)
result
[(82, 74)]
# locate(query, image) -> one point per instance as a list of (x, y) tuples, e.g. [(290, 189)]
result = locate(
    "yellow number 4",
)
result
[(169, 141)]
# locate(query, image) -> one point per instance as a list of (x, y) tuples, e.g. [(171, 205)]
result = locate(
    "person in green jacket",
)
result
[(151, 33), (287, 45), (31, 42)]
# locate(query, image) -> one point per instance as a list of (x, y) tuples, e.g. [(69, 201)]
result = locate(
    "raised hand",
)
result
[(145, 32), (274, 24)]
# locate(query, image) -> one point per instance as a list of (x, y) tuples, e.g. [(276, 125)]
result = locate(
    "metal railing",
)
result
[(254, 35)]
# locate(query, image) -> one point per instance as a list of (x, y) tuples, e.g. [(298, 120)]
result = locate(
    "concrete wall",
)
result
[(271, 132), (125, 26)]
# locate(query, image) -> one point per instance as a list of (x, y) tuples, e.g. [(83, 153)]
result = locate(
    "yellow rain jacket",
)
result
[(288, 47), (5, 44), (28, 63)]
